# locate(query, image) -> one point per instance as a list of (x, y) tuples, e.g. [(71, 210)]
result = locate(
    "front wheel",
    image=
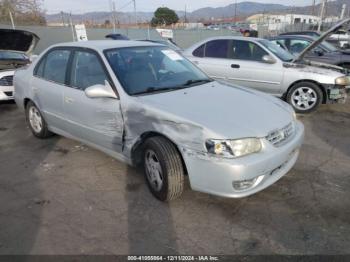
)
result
[(163, 168), (305, 97), (36, 121)]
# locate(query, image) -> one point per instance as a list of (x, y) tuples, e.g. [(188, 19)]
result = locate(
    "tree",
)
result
[(24, 11), (164, 15)]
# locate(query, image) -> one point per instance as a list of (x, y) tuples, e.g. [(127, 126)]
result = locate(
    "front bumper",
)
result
[(6, 93), (216, 175), (336, 94)]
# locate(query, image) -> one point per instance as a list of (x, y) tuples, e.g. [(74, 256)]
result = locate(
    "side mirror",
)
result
[(268, 59), (100, 91)]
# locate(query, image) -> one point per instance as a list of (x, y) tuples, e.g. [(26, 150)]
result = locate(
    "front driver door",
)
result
[(247, 68), (95, 120)]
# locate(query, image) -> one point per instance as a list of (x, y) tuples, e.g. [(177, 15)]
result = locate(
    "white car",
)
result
[(144, 103), (341, 38), (16, 47)]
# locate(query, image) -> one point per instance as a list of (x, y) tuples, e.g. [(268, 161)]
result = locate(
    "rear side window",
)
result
[(87, 70), (217, 48), (199, 52), (53, 66), (56, 66)]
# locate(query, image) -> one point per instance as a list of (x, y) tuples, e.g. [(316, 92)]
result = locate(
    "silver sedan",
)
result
[(144, 103)]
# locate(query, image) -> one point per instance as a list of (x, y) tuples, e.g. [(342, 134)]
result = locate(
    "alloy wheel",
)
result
[(304, 98)]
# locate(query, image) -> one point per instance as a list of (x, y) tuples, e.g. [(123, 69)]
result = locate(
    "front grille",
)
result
[(9, 93), (280, 136), (6, 81)]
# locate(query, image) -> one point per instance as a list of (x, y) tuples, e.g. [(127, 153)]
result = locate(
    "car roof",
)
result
[(296, 32), (307, 37), (106, 44), (232, 38)]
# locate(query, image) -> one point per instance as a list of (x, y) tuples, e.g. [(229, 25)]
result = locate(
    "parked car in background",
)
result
[(309, 33), (169, 43), (16, 46), (117, 37), (323, 52), (342, 38), (145, 103), (262, 65)]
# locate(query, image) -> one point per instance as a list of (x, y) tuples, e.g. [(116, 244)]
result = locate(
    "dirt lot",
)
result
[(60, 197)]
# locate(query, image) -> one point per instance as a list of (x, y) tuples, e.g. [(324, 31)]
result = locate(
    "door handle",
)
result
[(68, 100), (35, 89), (196, 62), (235, 66)]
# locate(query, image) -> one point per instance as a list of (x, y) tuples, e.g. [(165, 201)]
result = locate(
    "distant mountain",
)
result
[(243, 9)]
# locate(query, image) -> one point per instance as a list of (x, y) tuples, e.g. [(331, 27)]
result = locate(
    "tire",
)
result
[(305, 97), (36, 121), (163, 168)]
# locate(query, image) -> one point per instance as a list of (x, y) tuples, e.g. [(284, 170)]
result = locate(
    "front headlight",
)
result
[(233, 148), (342, 81)]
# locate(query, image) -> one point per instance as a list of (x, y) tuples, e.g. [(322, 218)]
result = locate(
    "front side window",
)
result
[(142, 70), (53, 66), (246, 50), (87, 70), (281, 53)]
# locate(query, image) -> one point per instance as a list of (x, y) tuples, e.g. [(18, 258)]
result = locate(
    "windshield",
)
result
[(8, 55), (152, 69), (282, 54)]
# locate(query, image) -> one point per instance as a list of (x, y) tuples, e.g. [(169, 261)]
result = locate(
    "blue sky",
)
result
[(81, 6)]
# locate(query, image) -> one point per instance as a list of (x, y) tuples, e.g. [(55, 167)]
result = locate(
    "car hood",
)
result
[(227, 111), (18, 40), (345, 22)]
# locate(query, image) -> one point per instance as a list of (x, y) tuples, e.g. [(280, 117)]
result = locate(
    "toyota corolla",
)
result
[(144, 103)]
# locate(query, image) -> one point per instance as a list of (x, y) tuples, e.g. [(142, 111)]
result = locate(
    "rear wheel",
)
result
[(163, 168), (305, 97), (36, 121)]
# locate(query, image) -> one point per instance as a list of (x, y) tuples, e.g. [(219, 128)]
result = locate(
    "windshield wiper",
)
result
[(197, 81), (152, 89), (189, 83)]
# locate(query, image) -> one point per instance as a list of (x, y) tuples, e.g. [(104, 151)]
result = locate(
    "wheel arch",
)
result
[(137, 148), (26, 101), (324, 92)]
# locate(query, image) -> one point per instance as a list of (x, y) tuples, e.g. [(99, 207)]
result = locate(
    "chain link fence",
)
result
[(53, 35)]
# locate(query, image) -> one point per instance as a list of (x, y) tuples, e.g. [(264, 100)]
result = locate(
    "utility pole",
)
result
[(185, 14), (343, 12), (313, 7), (135, 12), (323, 9), (114, 17), (235, 19), (71, 25), (11, 18), (62, 17)]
